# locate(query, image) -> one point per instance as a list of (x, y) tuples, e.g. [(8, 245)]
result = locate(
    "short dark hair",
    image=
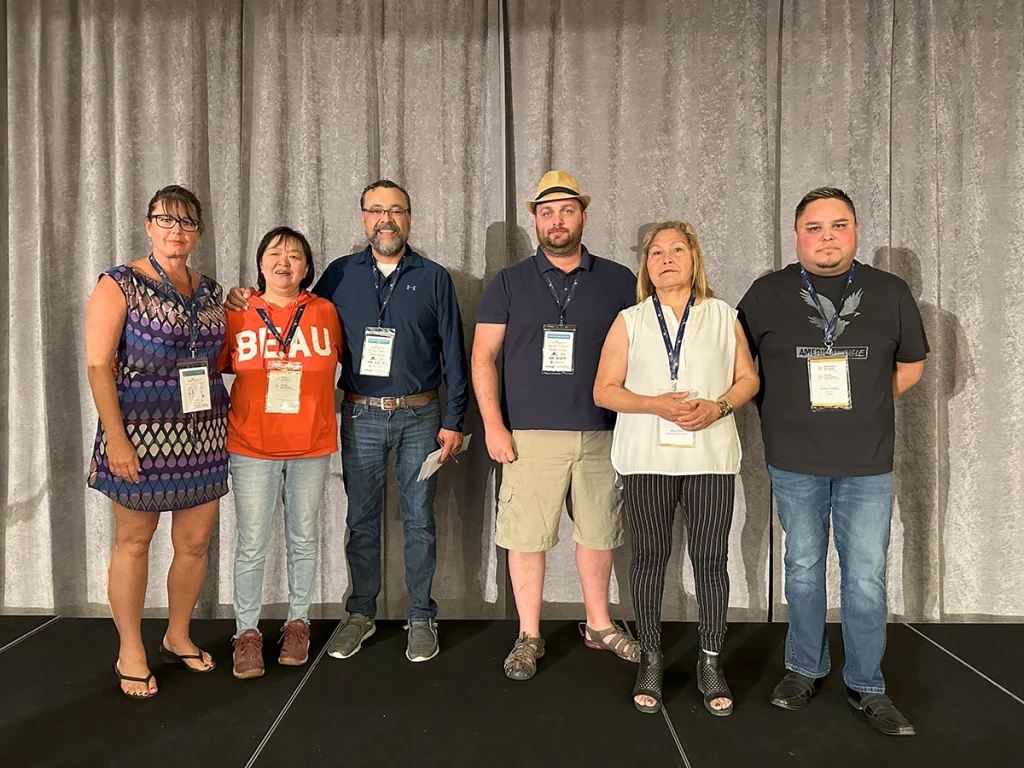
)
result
[(183, 197), (286, 233), (385, 184), (823, 193)]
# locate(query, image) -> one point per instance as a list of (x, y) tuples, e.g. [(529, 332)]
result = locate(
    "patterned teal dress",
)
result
[(184, 461)]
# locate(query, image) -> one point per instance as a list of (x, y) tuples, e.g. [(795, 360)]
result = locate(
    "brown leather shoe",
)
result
[(294, 642), (247, 658)]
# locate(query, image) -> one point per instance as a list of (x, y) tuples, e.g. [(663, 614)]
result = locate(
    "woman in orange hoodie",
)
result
[(284, 351)]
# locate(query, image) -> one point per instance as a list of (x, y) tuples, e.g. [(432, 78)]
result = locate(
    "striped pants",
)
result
[(707, 502)]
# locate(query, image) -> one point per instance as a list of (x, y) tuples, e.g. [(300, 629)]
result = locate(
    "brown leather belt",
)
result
[(392, 403)]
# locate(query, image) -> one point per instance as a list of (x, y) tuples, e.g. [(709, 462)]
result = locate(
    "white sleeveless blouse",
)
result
[(706, 365)]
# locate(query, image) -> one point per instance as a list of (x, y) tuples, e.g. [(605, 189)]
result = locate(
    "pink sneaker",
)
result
[(294, 642), (247, 658)]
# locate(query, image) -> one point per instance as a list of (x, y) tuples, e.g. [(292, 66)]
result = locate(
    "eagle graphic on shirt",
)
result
[(846, 314)]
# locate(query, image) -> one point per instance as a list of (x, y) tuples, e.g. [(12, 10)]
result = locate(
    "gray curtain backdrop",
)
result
[(722, 113)]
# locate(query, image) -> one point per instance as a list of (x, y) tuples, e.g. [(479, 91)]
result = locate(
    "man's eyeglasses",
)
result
[(166, 221), (377, 213)]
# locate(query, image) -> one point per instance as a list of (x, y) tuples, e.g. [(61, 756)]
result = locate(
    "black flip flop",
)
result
[(173, 658), (146, 679)]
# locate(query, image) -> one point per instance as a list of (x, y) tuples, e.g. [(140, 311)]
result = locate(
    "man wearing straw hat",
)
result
[(548, 317)]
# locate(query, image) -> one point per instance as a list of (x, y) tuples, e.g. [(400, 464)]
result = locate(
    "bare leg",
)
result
[(527, 572), (126, 590), (190, 534), (595, 569)]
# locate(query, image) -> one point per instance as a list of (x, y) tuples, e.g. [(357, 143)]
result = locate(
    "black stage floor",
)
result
[(962, 685)]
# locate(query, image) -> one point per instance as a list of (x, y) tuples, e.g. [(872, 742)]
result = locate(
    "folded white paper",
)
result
[(433, 462)]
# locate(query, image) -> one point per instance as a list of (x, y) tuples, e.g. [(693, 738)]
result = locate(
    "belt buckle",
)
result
[(389, 403)]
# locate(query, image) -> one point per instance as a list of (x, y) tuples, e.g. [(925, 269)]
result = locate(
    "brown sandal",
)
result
[(613, 639), (521, 663)]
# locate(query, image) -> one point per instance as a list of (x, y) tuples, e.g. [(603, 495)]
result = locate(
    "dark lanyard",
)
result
[(674, 351), (191, 305), (831, 323), (287, 339), (554, 294), (389, 288)]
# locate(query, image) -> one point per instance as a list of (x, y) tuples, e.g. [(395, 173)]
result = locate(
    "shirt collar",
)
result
[(412, 259), (795, 267), (545, 265)]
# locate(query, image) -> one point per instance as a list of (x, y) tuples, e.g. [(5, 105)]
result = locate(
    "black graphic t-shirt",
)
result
[(879, 324)]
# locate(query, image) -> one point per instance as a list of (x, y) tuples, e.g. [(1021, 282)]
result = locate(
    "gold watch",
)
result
[(724, 407)]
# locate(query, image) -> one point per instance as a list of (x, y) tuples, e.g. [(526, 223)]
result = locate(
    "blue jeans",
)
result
[(861, 509), (368, 436), (257, 484)]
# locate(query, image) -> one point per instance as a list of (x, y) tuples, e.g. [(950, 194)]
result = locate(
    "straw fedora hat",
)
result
[(557, 185)]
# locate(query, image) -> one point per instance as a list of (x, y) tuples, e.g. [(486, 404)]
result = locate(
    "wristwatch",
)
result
[(724, 407)]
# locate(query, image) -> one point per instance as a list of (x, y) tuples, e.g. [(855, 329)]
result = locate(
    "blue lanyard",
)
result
[(191, 305), (287, 339), (674, 351), (831, 323), (389, 288), (554, 294)]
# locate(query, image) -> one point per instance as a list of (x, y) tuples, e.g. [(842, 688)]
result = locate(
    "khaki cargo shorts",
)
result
[(551, 465)]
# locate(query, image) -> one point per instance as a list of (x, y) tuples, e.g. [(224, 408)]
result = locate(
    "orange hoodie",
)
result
[(313, 431)]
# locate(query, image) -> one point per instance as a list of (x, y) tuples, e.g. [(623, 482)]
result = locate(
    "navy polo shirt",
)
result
[(519, 298), (424, 312)]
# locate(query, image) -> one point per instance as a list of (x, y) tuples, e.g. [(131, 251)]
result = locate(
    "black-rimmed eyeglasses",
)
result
[(377, 213), (166, 221)]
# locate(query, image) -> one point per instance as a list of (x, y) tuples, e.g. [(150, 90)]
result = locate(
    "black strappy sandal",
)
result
[(147, 695), (173, 658), (648, 680), (711, 683)]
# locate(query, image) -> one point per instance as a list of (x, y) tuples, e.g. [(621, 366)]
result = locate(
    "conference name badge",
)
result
[(378, 349), (559, 352), (284, 382), (194, 384), (829, 379), (670, 434)]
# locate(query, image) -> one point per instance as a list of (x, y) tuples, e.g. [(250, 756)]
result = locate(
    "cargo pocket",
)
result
[(503, 514), (505, 492)]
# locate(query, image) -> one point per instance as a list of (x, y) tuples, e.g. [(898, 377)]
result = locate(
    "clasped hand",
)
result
[(692, 415)]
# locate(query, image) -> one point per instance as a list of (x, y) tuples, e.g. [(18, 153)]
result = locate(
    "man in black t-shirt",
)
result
[(837, 341)]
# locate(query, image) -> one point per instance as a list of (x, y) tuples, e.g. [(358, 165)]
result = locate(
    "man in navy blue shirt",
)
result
[(548, 317), (402, 333)]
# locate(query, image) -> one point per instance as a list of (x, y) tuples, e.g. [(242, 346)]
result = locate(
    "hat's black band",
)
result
[(549, 190)]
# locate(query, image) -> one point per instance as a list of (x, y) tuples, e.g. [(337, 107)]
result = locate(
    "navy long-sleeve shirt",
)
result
[(424, 312)]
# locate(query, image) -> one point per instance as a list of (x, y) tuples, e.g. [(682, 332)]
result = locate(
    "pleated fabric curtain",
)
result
[(720, 113)]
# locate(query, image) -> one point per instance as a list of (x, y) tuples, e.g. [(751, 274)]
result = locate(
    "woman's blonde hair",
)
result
[(698, 282)]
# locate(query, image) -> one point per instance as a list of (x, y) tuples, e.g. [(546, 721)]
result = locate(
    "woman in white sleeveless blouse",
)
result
[(674, 367)]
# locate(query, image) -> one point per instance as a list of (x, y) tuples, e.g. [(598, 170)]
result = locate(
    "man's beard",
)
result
[(572, 240), (829, 260), (395, 248)]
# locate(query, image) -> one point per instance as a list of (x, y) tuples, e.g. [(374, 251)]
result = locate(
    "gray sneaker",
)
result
[(348, 640), (422, 643)]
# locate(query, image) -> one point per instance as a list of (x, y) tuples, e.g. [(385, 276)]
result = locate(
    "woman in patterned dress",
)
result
[(158, 446)]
